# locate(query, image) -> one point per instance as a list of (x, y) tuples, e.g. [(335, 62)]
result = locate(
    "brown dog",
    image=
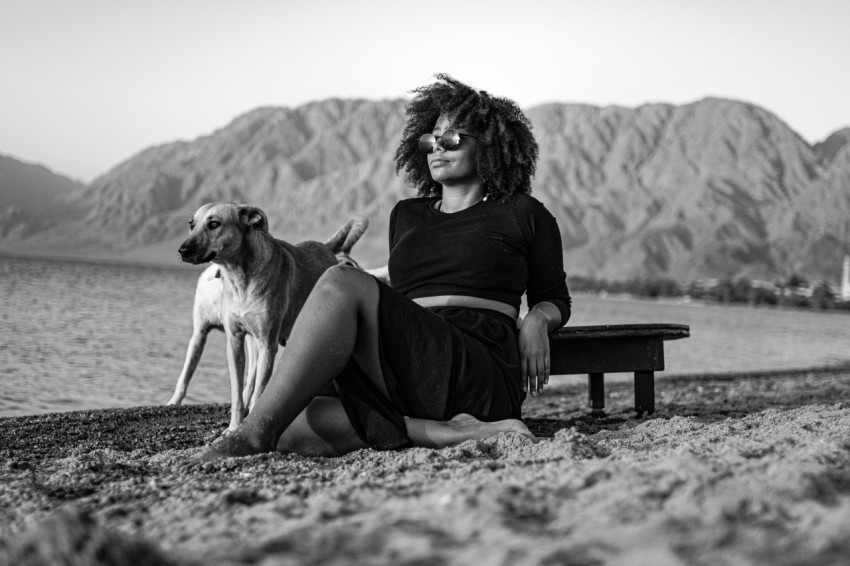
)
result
[(265, 282)]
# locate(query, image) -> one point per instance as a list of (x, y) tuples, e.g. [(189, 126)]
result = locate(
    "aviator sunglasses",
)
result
[(449, 140)]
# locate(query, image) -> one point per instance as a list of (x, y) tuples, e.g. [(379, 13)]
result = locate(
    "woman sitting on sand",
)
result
[(437, 359)]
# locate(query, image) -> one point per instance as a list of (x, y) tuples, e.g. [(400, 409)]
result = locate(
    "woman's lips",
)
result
[(439, 162)]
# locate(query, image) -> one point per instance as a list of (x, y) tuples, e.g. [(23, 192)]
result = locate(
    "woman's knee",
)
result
[(344, 281)]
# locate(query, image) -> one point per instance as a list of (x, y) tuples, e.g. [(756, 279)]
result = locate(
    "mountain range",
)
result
[(715, 188)]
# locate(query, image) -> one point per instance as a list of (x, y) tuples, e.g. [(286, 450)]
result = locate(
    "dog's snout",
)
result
[(185, 249), (191, 252)]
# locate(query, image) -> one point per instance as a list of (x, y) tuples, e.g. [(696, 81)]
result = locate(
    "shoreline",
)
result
[(557, 381), (752, 469)]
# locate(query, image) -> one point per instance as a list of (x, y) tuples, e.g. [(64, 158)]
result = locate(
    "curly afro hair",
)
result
[(507, 152)]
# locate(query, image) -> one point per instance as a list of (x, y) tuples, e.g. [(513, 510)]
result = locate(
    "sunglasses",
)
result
[(449, 140)]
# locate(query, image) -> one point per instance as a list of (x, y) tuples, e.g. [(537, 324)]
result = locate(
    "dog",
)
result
[(206, 316), (264, 283)]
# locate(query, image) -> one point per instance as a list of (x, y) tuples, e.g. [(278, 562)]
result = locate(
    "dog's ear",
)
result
[(253, 217)]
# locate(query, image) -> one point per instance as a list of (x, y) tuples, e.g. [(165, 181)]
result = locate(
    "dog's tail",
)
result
[(347, 236)]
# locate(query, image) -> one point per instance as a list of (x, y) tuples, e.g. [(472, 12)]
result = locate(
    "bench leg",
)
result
[(596, 396), (644, 392)]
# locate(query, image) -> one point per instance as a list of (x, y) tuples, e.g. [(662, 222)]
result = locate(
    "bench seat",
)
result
[(618, 348)]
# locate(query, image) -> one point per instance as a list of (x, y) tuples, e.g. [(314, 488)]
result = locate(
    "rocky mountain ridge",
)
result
[(709, 189), (32, 197)]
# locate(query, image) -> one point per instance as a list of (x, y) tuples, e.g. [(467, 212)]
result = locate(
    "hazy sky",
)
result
[(85, 84)]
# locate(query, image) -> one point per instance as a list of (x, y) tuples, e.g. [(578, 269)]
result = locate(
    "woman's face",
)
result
[(456, 166)]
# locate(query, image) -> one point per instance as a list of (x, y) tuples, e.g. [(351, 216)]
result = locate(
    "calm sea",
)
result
[(82, 336)]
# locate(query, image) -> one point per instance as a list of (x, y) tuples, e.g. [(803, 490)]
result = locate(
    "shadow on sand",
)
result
[(707, 397)]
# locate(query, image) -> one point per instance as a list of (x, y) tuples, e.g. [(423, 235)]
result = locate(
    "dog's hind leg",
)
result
[(206, 315), (193, 355)]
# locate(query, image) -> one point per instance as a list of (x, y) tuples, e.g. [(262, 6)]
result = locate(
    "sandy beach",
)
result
[(749, 469)]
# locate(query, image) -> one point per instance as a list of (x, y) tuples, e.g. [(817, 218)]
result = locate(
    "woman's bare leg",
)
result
[(463, 427), (323, 429), (338, 321)]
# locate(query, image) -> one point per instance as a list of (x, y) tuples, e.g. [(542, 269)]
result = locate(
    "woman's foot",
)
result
[(460, 428), (232, 444), (479, 430)]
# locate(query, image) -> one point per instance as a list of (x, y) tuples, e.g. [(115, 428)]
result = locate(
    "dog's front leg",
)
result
[(236, 367)]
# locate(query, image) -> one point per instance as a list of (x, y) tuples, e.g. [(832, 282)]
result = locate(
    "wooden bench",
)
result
[(597, 350)]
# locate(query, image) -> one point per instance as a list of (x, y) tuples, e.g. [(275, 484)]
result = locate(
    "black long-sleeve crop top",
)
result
[(493, 250)]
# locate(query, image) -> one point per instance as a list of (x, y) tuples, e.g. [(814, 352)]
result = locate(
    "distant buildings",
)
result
[(789, 292), (792, 291)]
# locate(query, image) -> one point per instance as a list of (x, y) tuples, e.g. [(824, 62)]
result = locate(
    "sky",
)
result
[(86, 84)]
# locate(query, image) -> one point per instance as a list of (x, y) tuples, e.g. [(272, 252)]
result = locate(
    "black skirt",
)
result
[(437, 363)]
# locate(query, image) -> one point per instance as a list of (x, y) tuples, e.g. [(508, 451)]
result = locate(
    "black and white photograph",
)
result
[(441, 283)]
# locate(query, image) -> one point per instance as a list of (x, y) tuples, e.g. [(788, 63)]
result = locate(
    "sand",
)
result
[(751, 469)]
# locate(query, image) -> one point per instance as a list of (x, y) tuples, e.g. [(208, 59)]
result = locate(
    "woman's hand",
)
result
[(534, 351)]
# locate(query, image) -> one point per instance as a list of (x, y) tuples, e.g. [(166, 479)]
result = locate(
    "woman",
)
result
[(436, 359)]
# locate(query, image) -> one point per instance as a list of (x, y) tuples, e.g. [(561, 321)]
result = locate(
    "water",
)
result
[(729, 339), (80, 336)]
